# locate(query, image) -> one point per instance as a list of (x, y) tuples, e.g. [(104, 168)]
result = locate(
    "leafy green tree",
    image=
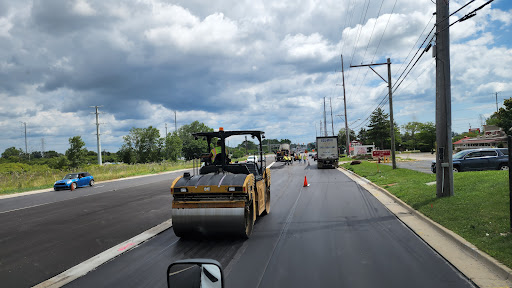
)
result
[(142, 145), (60, 162), (363, 136), (191, 146), (378, 129), (12, 151), (251, 147), (410, 138), (173, 146), (342, 138), (427, 136), (76, 153), (36, 155), (492, 120), (51, 154), (504, 116)]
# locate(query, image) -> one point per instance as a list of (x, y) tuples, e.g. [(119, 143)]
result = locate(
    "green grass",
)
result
[(32, 177), (345, 158), (478, 211)]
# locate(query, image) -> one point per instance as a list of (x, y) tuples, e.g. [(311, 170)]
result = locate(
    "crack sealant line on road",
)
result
[(484, 260), (106, 181), (94, 262)]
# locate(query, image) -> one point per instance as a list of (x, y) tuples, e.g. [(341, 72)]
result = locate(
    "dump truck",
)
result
[(223, 198), (327, 152), (284, 150)]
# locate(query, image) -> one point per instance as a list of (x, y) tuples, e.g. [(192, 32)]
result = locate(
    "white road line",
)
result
[(87, 266), (271, 164)]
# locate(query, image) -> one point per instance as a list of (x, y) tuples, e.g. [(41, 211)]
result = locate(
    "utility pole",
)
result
[(444, 165), (390, 93), (332, 121), (175, 126), (26, 149), (496, 102), (392, 123), (42, 147), (98, 142), (325, 121), (245, 145), (345, 105)]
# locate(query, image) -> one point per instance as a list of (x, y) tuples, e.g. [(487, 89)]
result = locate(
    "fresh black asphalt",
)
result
[(69, 227), (330, 234)]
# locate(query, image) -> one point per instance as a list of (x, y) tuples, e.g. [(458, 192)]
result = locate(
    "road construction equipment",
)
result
[(284, 150), (224, 198)]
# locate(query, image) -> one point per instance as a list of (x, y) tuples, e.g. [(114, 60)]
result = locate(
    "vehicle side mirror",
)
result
[(195, 273)]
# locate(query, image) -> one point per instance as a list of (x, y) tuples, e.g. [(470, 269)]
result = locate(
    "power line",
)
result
[(368, 45), (467, 16), (405, 59), (382, 36)]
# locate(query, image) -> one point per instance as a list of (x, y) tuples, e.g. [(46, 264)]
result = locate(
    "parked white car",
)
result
[(252, 159)]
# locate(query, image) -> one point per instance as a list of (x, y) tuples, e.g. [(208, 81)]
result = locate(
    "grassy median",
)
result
[(18, 178), (479, 210)]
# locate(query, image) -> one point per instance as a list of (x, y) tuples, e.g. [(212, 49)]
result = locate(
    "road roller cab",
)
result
[(223, 198)]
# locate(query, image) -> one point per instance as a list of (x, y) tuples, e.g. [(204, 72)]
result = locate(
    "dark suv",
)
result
[(478, 159)]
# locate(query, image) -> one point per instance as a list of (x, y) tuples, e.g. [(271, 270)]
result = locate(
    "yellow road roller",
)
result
[(223, 198)]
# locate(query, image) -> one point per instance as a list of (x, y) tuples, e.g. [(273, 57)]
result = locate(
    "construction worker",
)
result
[(218, 150)]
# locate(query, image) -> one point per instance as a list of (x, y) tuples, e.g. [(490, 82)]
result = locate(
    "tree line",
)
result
[(416, 135)]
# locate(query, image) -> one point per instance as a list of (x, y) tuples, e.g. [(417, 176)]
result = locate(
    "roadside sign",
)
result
[(381, 153)]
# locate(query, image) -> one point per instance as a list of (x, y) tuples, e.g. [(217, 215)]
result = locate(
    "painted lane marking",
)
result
[(99, 186), (94, 262), (271, 164)]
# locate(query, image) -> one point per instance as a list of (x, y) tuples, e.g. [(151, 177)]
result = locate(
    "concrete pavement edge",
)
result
[(492, 264), (92, 263)]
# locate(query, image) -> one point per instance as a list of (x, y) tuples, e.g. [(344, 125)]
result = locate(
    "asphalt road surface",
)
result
[(418, 165), (330, 234), (44, 234)]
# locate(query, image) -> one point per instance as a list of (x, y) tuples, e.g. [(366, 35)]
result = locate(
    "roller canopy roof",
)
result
[(226, 134)]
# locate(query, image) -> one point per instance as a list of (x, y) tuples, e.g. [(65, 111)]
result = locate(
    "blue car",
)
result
[(74, 180)]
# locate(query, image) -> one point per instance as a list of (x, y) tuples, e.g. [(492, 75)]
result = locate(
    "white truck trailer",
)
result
[(327, 152)]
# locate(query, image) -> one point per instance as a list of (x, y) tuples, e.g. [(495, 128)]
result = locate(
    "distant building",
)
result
[(493, 137), (357, 148)]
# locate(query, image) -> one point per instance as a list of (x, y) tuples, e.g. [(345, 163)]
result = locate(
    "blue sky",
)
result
[(262, 65)]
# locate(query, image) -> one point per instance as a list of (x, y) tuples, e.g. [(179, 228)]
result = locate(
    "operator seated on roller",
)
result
[(216, 154)]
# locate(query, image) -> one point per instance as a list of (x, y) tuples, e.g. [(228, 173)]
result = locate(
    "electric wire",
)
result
[(363, 16), (398, 82)]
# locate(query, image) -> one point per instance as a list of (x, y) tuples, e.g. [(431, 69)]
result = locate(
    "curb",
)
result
[(493, 264)]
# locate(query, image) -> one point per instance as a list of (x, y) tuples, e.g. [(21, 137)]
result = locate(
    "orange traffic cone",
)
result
[(72, 187), (306, 182)]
